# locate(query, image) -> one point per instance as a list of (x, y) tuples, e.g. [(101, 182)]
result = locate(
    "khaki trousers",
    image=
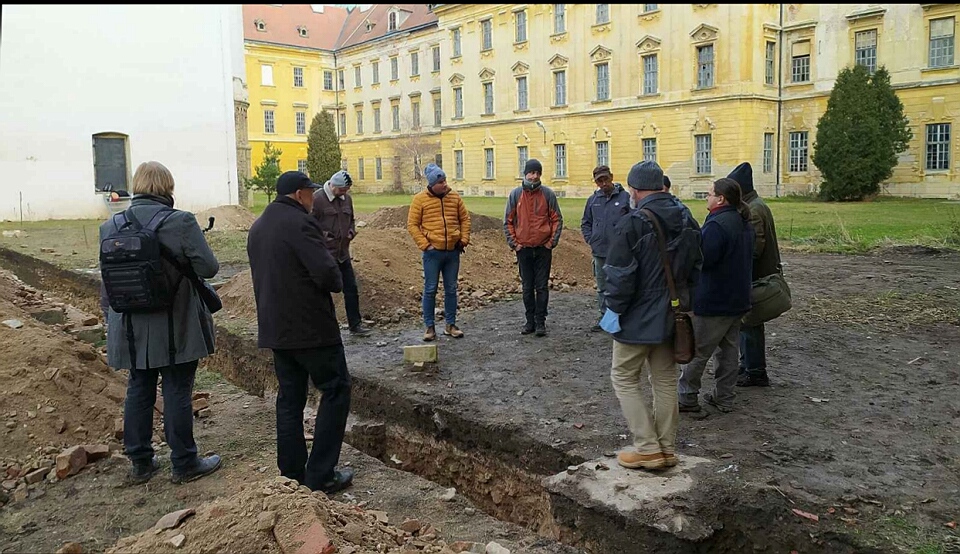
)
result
[(653, 430)]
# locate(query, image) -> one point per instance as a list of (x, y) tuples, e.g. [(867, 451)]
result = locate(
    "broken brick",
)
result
[(96, 452), (71, 461)]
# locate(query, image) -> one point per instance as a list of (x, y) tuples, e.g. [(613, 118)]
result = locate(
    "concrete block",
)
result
[(421, 353)]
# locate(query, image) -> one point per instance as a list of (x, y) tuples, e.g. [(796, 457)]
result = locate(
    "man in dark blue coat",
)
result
[(604, 208)]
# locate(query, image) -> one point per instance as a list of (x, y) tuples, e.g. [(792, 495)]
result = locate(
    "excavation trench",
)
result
[(599, 507)]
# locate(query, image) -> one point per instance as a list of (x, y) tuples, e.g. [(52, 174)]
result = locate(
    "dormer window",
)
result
[(392, 21), (260, 25), (369, 26), (302, 31)]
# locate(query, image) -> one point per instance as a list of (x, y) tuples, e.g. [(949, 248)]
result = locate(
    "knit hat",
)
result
[(341, 179), (434, 174), (645, 176), (743, 175), (533, 165)]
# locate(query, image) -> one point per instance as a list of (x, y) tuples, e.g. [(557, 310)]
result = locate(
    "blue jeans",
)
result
[(753, 358), (436, 262)]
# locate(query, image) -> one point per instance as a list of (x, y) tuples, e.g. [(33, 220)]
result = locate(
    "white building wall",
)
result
[(163, 75)]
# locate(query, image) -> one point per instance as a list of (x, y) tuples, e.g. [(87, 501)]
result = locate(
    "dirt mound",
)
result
[(389, 270), (389, 218), (55, 391), (228, 218), (277, 516)]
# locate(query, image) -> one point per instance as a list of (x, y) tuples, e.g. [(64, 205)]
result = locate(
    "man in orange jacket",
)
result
[(440, 224)]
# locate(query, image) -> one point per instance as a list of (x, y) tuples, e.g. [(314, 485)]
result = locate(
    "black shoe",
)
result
[(202, 467), (541, 329), (596, 327), (527, 329), (753, 380), (360, 331), (693, 408), (140, 473), (342, 478)]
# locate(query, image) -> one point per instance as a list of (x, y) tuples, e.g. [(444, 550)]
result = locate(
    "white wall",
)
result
[(163, 75)]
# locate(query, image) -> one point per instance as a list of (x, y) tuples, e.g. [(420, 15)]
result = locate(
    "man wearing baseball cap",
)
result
[(602, 211), (333, 208), (293, 277)]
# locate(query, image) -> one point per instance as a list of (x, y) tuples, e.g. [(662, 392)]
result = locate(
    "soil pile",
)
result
[(390, 218), (277, 516), (55, 391), (227, 218), (389, 271)]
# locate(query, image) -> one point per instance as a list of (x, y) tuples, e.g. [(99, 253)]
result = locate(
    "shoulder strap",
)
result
[(664, 257), (158, 218)]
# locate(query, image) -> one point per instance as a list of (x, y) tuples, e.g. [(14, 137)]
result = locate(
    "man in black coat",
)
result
[(293, 278)]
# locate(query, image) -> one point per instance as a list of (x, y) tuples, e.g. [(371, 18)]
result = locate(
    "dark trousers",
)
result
[(351, 294), (535, 274), (177, 414), (753, 357), (327, 368)]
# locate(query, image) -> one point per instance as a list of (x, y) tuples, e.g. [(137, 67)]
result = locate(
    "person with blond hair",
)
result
[(168, 341)]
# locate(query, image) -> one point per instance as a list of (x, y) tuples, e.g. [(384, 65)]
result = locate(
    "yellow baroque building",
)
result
[(697, 87)]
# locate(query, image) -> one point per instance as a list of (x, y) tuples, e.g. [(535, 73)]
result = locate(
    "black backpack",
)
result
[(133, 275)]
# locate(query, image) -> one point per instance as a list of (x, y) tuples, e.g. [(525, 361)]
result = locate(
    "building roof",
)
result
[(333, 28)]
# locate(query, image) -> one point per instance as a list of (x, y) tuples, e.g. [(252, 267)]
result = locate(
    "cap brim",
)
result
[(314, 186)]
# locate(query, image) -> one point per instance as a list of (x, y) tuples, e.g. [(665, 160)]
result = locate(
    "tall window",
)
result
[(360, 168), (800, 63), (266, 75), (356, 76), (769, 63), (458, 163), (414, 63), (486, 34), (415, 108), (392, 21), (301, 120), (603, 13), (488, 98), (649, 8), (394, 69), (521, 18), (437, 111), (603, 81), (704, 154), (436, 58), (649, 149), (523, 154), (559, 18), (651, 70), (378, 167), (375, 69), (938, 146), (866, 49), (522, 93), (458, 103), (395, 113), (298, 77), (340, 79), (559, 88), (302, 166), (376, 119), (941, 42), (456, 43), (603, 153), (328, 80), (798, 151), (705, 66), (343, 124), (268, 122), (489, 172), (359, 122), (560, 158), (767, 152)]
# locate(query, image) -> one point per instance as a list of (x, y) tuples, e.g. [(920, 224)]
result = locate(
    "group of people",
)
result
[(299, 253)]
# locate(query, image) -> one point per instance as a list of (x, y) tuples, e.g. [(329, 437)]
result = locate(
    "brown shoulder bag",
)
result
[(684, 344)]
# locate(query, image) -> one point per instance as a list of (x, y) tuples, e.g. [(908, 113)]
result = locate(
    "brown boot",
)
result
[(670, 459), (430, 334), (453, 331), (636, 460)]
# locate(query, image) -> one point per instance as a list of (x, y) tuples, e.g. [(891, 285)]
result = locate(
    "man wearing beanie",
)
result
[(640, 316), (333, 208), (602, 211), (532, 223), (440, 224), (766, 261)]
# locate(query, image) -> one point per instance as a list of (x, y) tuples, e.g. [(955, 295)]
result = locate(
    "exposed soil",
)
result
[(227, 218), (396, 217)]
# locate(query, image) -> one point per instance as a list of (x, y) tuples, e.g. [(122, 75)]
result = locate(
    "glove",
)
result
[(610, 322)]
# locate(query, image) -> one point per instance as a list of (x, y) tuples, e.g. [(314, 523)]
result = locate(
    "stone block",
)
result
[(47, 315), (91, 334), (35, 477), (71, 461), (422, 353)]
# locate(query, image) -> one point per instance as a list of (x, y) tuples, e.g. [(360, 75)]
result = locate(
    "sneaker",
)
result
[(541, 329), (709, 399), (360, 331), (453, 331), (342, 478), (201, 468), (753, 380), (636, 460), (670, 459), (692, 408), (430, 334), (527, 328), (140, 473)]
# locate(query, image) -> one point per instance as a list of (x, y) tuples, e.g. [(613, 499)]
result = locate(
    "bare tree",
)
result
[(412, 151)]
